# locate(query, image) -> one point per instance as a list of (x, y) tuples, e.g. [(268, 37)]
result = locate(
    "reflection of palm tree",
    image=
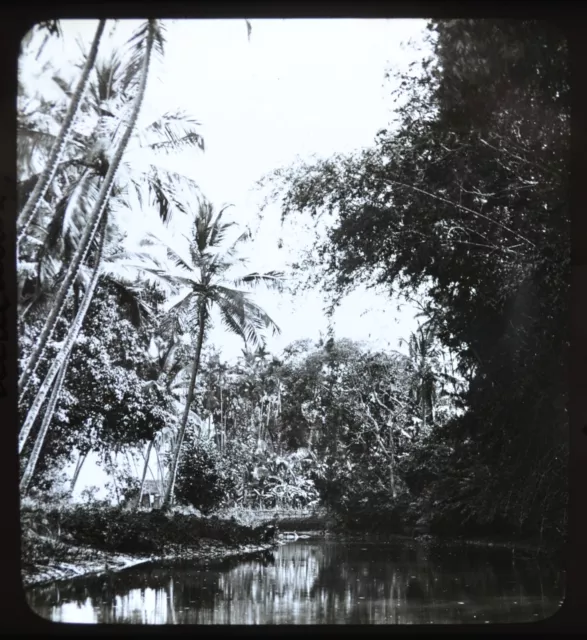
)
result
[(170, 602)]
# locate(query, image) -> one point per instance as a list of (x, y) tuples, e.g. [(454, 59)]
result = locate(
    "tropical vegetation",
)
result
[(460, 205)]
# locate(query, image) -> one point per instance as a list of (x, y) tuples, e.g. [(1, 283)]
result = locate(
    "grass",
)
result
[(48, 533)]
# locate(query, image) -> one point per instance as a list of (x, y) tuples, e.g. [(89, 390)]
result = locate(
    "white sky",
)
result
[(299, 87)]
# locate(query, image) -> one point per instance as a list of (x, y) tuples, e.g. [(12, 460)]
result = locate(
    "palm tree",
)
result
[(29, 210), (108, 265), (204, 275), (53, 240), (167, 378), (424, 360), (108, 93), (59, 369), (144, 39)]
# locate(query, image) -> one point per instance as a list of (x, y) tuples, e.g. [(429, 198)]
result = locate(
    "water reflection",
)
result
[(318, 582)]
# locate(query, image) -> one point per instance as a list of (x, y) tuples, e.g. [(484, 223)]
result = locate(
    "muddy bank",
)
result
[(84, 561)]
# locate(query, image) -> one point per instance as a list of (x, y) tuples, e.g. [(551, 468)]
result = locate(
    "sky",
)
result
[(295, 89)]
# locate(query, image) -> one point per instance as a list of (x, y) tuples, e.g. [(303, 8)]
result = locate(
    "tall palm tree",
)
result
[(29, 210), (423, 355), (207, 287), (53, 240), (144, 40), (167, 377), (108, 95), (58, 369), (109, 261)]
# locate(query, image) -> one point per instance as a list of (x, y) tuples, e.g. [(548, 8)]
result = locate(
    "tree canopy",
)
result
[(468, 195)]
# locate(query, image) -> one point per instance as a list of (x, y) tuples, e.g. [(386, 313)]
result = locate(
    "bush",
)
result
[(201, 481), (113, 528), (358, 501)]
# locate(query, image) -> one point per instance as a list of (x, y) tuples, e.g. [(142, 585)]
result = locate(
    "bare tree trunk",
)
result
[(160, 470), (260, 427), (221, 438), (113, 474), (147, 458), (424, 413)]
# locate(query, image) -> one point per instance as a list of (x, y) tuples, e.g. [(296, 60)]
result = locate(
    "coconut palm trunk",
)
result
[(208, 289), (60, 362), (145, 469), (36, 452), (190, 396), (59, 369), (30, 209), (91, 228), (78, 468)]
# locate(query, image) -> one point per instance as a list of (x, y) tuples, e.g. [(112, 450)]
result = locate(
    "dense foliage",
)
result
[(460, 204), (467, 197), (109, 528)]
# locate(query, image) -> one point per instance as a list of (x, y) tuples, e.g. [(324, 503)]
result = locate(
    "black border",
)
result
[(15, 22)]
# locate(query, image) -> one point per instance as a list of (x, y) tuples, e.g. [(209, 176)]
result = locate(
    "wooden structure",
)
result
[(152, 494)]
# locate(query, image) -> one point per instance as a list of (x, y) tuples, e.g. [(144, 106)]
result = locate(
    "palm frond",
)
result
[(159, 40), (33, 148), (175, 131), (168, 357), (271, 279), (218, 230), (130, 296), (107, 81), (162, 189), (172, 254), (70, 211), (245, 236), (171, 282), (44, 138), (185, 305), (234, 322), (249, 316), (172, 323), (63, 231), (135, 262), (68, 88), (134, 50), (203, 226)]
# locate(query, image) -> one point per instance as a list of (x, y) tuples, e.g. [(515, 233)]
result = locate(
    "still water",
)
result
[(318, 582)]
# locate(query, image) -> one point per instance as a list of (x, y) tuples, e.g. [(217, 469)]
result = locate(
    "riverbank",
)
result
[(85, 561), (66, 542)]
